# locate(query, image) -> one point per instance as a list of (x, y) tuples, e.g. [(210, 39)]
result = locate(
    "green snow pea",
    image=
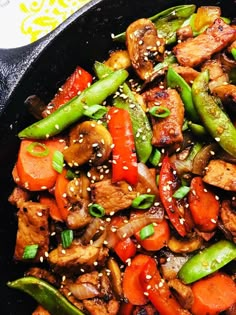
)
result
[(167, 22), (46, 295), (207, 261), (214, 119), (73, 110), (141, 126), (174, 80)]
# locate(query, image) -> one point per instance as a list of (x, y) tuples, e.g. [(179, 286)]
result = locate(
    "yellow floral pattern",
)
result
[(42, 16)]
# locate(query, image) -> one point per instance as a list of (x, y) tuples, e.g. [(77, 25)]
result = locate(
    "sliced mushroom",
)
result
[(89, 142), (118, 59), (185, 245), (144, 46)]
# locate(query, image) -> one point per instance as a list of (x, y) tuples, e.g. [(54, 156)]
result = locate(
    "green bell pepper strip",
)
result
[(174, 80), (167, 22), (168, 25), (141, 126), (73, 110), (215, 120), (233, 52), (46, 295), (197, 130), (207, 261)]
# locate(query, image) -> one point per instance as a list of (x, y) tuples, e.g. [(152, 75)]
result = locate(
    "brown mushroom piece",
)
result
[(185, 245), (118, 59), (144, 46), (89, 142)]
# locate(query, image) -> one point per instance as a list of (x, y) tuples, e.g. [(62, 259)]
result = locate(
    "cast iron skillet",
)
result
[(39, 69)]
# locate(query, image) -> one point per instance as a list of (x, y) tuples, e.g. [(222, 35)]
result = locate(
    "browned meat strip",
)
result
[(112, 197), (182, 292), (19, 196), (184, 32), (228, 217), (166, 131), (195, 51), (77, 256), (144, 46), (98, 307), (42, 274), (32, 229), (226, 92), (221, 174), (40, 311), (189, 74), (216, 73)]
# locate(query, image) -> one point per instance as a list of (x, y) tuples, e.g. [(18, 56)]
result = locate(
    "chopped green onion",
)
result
[(95, 111), (38, 149), (233, 52), (67, 238), (181, 192), (157, 179), (155, 157), (146, 231), (30, 251), (144, 201), (70, 174), (96, 210), (58, 161), (159, 111)]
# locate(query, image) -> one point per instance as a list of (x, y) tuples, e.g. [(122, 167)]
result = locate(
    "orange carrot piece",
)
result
[(49, 200), (203, 205), (132, 288), (213, 294), (60, 194), (36, 172)]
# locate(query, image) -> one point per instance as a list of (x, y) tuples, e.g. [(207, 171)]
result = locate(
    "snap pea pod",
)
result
[(73, 110), (140, 123), (207, 261), (46, 295), (167, 22), (214, 119), (174, 80)]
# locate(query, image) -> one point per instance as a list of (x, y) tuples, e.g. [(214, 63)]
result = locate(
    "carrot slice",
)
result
[(50, 201), (203, 205), (132, 288), (213, 295), (158, 240), (35, 172), (60, 194)]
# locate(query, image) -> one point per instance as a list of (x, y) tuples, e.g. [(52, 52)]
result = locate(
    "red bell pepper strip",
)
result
[(157, 290), (78, 81), (124, 166), (167, 187), (125, 249)]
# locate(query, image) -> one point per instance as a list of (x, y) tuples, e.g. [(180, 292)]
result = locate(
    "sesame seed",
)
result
[(41, 259), (146, 293), (39, 214), (217, 139)]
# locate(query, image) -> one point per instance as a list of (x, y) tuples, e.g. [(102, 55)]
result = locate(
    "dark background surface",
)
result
[(40, 69)]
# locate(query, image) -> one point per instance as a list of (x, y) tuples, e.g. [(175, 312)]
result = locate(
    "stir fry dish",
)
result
[(125, 184)]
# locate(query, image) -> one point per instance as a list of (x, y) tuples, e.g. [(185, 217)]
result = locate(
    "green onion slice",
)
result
[(159, 111), (67, 238), (37, 149), (70, 174), (96, 210), (30, 251), (58, 161), (144, 201), (155, 157), (95, 111), (181, 192), (146, 231)]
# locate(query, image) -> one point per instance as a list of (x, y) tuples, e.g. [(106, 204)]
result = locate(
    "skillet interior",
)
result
[(85, 39)]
